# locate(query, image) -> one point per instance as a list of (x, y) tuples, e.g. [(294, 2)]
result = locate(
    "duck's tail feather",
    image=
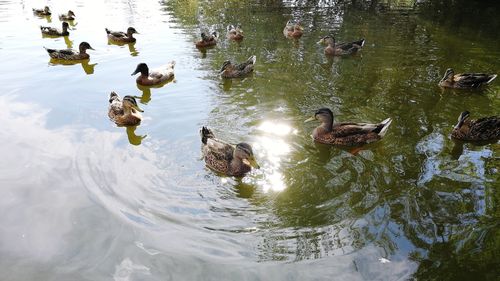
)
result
[(50, 51), (107, 30), (252, 59), (360, 42), (206, 134), (384, 127), (113, 96), (492, 77)]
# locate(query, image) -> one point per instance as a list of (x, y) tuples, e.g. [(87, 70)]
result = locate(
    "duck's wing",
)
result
[(67, 52), (486, 128), (48, 29), (350, 128), (249, 63), (220, 150), (472, 80), (163, 71), (118, 34)]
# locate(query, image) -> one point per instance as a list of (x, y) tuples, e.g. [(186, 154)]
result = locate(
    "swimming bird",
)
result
[(124, 112), (70, 54), (483, 129), (235, 33), (334, 49), (207, 41), (465, 80), (155, 76), (346, 133), (230, 70), (231, 160), (52, 31), (42, 12), (122, 36), (69, 16)]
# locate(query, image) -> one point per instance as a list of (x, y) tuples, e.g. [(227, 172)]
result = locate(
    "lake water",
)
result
[(82, 199)]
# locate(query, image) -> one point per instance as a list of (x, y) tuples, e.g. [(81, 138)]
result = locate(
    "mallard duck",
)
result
[(42, 12), (484, 129), (230, 70), (122, 36), (52, 31), (207, 41), (341, 49), (156, 76), (235, 33), (124, 112), (465, 80), (293, 30), (69, 16), (70, 54), (226, 158), (346, 133)]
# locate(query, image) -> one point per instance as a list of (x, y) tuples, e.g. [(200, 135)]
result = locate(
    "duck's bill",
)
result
[(321, 41), (91, 48), (252, 162), (134, 73), (310, 119)]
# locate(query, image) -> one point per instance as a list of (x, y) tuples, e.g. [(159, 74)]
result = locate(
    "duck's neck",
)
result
[(130, 34), (327, 125), (83, 50), (65, 28)]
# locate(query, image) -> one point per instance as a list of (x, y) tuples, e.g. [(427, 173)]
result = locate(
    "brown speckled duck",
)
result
[(52, 31), (235, 33), (42, 12), (225, 158), (70, 54), (346, 133), (484, 129), (119, 36), (124, 112), (465, 80), (293, 30), (230, 70), (207, 40), (69, 16), (334, 49), (155, 76)]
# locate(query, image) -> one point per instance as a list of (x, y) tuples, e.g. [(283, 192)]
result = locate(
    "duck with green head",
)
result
[(124, 112), (42, 12), (230, 70), (340, 49), (155, 76), (119, 36), (465, 80), (230, 160), (346, 133), (52, 31), (70, 54), (483, 129), (69, 16)]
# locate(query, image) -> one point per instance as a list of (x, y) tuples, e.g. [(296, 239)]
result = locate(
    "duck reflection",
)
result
[(131, 46), (87, 67), (69, 43), (133, 138)]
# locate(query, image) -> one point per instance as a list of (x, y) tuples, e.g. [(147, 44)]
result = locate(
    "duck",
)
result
[(293, 30), (483, 129), (346, 133), (230, 70), (155, 76), (230, 160), (333, 49), (124, 112), (235, 33), (42, 12), (52, 31), (70, 54), (69, 16), (465, 80), (207, 41), (122, 36)]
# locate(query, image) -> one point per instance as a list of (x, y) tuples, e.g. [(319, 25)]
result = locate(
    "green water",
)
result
[(82, 199)]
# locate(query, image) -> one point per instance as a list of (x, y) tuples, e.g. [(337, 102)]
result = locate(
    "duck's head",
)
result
[(289, 23), (130, 102), (113, 96), (230, 27), (298, 26), (46, 9), (461, 119), (71, 14), (238, 28), (328, 40), (225, 65), (132, 30), (448, 74), (142, 68), (244, 152), (85, 46), (324, 115)]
